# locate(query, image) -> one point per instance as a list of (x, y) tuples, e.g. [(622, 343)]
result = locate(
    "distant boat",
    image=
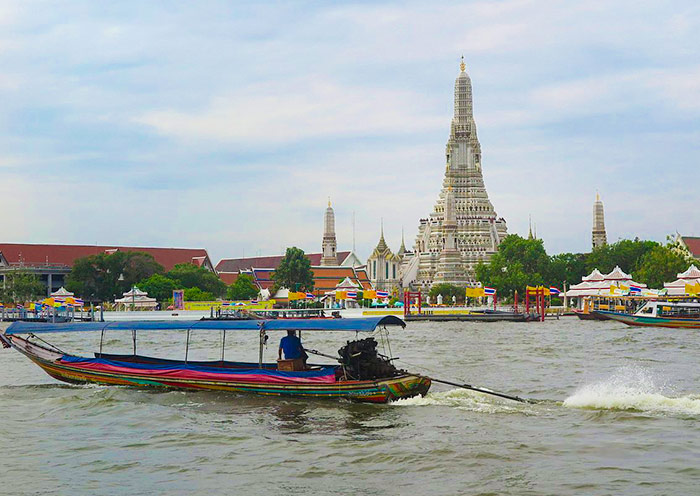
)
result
[(362, 374), (672, 314)]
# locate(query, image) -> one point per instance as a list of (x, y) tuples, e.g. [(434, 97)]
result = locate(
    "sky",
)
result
[(228, 125)]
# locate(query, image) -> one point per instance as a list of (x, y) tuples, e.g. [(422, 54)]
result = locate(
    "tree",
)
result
[(447, 291), (294, 271), (188, 275), (243, 288), (566, 267), (661, 264), (626, 253), (21, 287), (158, 286), (517, 263), (107, 276), (196, 294)]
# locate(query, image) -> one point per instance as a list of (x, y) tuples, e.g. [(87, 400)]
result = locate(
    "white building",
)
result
[(476, 230)]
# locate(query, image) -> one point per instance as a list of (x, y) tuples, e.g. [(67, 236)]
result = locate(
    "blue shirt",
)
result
[(291, 345)]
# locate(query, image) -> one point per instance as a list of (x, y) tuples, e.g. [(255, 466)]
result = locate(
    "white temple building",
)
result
[(463, 228), (384, 267), (598, 235), (690, 277), (329, 245)]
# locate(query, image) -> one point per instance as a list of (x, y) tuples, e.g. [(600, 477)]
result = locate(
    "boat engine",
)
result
[(362, 362)]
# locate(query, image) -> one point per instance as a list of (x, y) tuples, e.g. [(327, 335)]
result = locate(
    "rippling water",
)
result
[(620, 415)]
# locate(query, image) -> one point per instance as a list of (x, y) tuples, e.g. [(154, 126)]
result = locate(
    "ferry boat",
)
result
[(361, 373), (659, 313)]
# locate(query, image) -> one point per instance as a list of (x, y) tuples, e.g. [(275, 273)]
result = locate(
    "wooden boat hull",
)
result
[(469, 317), (372, 391), (590, 316), (650, 321)]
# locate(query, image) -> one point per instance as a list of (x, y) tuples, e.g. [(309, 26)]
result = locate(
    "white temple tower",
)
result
[(599, 236), (476, 229), (329, 245)]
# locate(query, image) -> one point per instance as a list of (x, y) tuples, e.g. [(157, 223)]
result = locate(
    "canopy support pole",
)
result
[(262, 343), (133, 337), (223, 344), (102, 338), (187, 345)]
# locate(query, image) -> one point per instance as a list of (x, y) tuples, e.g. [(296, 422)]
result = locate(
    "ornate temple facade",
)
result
[(384, 267), (463, 228), (599, 236)]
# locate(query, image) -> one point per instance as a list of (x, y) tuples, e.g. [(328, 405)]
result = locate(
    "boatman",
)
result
[(291, 345)]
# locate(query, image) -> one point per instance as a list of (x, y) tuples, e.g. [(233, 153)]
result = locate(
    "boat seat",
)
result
[(294, 365)]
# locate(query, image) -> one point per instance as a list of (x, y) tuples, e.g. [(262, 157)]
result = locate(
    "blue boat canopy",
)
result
[(366, 324)]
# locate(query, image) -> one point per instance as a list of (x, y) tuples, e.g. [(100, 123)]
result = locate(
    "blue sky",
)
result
[(227, 125)]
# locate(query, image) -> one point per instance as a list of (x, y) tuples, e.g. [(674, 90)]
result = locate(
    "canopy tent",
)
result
[(616, 282), (366, 324), (137, 299), (690, 277), (62, 293)]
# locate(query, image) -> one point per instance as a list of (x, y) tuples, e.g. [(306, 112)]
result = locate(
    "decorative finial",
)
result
[(597, 196), (462, 66), (329, 202)]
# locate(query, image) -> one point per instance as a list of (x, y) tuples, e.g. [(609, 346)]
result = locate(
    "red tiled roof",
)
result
[(228, 278), (31, 254), (693, 244), (239, 264), (325, 278)]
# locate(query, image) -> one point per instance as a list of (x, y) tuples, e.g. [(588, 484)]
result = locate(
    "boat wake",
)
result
[(463, 399), (633, 389)]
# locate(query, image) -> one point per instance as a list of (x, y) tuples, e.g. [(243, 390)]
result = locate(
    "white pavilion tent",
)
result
[(136, 299), (616, 282), (690, 277)]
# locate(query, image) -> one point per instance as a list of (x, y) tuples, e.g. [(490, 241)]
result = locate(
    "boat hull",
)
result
[(590, 315), (372, 391), (649, 321)]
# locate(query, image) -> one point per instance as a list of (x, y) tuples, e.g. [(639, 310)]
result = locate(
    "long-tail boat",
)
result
[(362, 374), (657, 313)]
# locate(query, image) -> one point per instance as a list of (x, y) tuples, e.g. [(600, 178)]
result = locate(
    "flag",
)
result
[(554, 291), (369, 294), (635, 289), (20, 306), (489, 291), (341, 295), (351, 295), (310, 296), (2, 306), (692, 289), (79, 302), (474, 292), (296, 296), (382, 294), (253, 302)]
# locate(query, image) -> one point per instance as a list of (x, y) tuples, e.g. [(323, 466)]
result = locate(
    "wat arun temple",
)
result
[(463, 228)]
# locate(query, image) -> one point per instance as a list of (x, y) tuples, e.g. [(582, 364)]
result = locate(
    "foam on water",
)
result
[(462, 399), (632, 388)]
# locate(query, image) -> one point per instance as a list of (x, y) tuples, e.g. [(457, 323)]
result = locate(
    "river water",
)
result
[(621, 416)]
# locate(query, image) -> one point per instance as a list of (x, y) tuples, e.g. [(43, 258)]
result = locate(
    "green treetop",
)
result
[(294, 271), (243, 288)]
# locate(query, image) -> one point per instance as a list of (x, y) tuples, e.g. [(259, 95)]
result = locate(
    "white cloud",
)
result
[(292, 110)]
